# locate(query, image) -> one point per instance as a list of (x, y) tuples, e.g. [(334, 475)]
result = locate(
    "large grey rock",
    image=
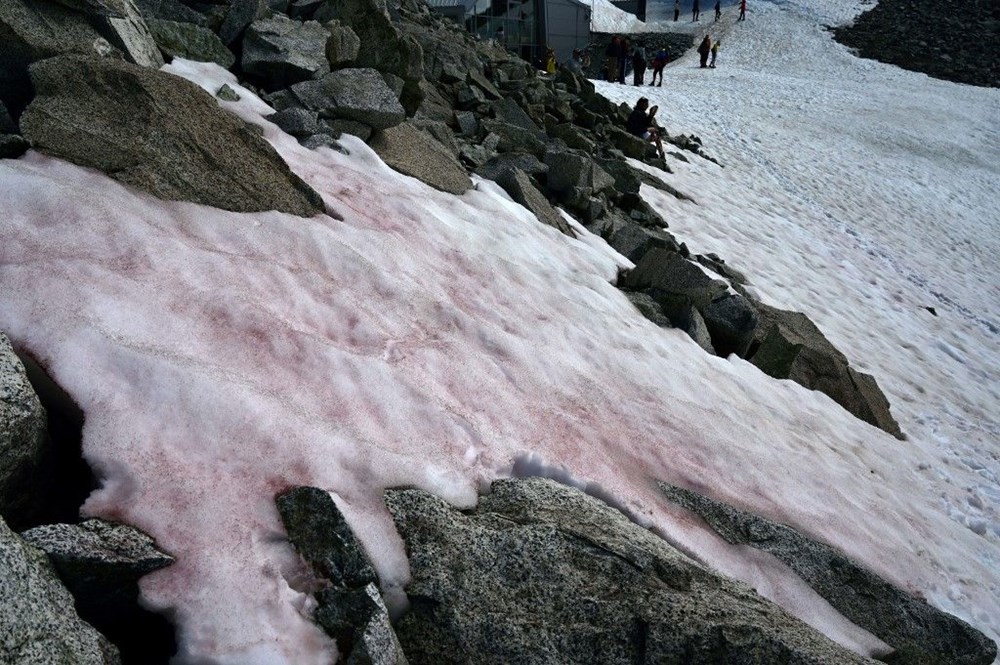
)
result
[(542, 573), (22, 438), (415, 153), (673, 280), (633, 241), (508, 111), (241, 14), (100, 562), (296, 121), (31, 31), (321, 535), (280, 51), (38, 624), (497, 166), (190, 41), (350, 610), (919, 632), (514, 138), (383, 47), (731, 320), (353, 94), (114, 8), (159, 133), (792, 347), (568, 170), (342, 46)]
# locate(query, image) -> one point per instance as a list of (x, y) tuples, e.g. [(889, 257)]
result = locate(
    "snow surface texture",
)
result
[(440, 341)]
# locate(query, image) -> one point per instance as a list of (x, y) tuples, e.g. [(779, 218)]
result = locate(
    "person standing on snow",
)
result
[(624, 53), (743, 10), (611, 53), (718, 9), (715, 54), (639, 66), (659, 62), (704, 49), (696, 10), (677, 10)]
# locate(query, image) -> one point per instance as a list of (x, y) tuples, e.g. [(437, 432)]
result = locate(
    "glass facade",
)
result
[(520, 20)]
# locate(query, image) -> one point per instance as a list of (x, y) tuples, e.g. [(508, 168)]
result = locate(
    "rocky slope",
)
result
[(534, 573), (956, 40)]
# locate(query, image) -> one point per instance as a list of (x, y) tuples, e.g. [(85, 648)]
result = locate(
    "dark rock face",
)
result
[(22, 439), (542, 573), (955, 40), (31, 31), (792, 347), (351, 609), (159, 133), (38, 625), (412, 151), (517, 183), (100, 562), (918, 632), (731, 321)]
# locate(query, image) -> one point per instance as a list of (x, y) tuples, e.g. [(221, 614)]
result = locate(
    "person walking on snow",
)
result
[(659, 62), (677, 10), (704, 49), (718, 9), (696, 10), (715, 54), (743, 10), (639, 66)]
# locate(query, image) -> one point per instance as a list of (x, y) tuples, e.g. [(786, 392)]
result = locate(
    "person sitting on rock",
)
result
[(643, 124)]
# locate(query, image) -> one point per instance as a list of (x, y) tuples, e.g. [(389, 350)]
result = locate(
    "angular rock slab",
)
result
[(542, 573), (792, 347), (99, 561), (190, 41), (409, 150), (22, 436), (518, 185), (159, 133), (350, 610), (920, 633), (321, 535), (359, 94), (673, 280), (38, 625), (283, 52)]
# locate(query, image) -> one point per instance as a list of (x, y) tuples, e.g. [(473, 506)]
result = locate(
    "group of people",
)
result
[(696, 10), (707, 48), (622, 57)]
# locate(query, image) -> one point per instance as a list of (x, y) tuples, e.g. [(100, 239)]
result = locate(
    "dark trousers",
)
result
[(639, 74), (677, 14), (704, 59)]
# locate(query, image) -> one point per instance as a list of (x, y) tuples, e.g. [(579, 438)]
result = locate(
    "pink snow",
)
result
[(425, 340)]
